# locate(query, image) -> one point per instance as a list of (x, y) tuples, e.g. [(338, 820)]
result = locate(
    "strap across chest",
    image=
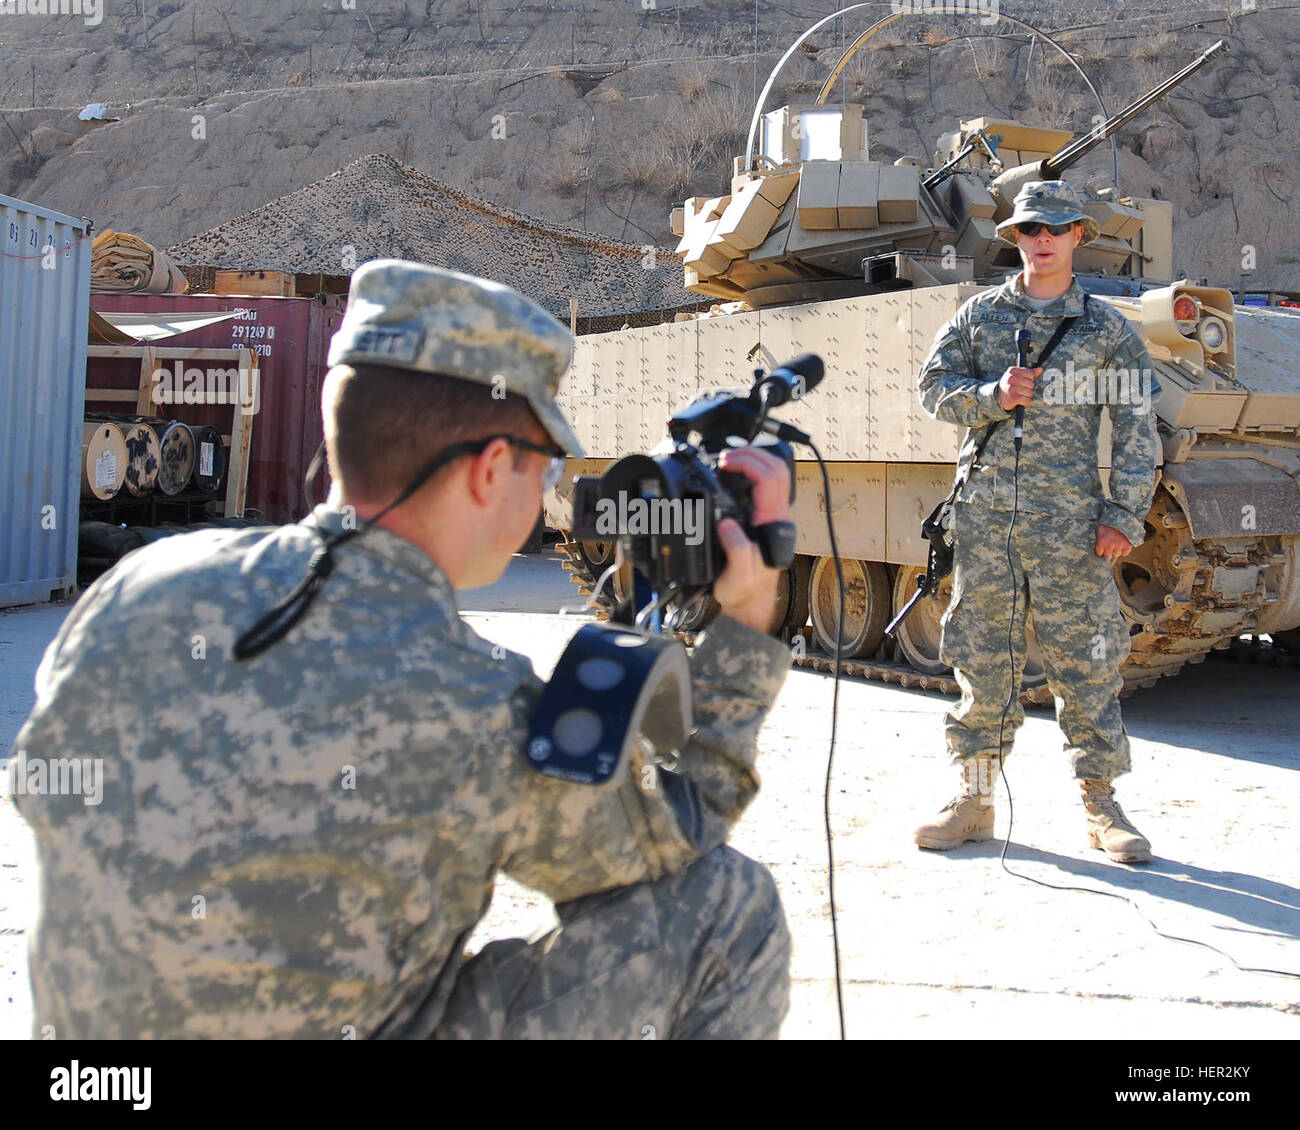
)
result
[(1062, 328)]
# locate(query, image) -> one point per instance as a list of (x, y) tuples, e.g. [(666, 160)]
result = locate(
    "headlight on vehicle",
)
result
[(1212, 333)]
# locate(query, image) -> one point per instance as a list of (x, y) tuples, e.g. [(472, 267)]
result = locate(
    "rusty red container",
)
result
[(291, 337)]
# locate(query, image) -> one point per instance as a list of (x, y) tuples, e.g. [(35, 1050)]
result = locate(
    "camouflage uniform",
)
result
[(1071, 592), (300, 845)]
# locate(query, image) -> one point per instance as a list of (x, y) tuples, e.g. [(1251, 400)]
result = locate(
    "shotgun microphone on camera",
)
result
[(791, 380)]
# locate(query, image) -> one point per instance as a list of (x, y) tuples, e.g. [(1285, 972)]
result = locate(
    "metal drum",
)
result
[(103, 460), (209, 460), (176, 455), (143, 459)]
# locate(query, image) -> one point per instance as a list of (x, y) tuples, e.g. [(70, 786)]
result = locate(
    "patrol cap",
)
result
[(1048, 202), (429, 320)]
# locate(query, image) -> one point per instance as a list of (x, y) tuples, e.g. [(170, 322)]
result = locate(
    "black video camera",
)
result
[(664, 508)]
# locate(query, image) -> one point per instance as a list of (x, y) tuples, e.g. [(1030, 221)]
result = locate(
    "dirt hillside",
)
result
[(600, 114)]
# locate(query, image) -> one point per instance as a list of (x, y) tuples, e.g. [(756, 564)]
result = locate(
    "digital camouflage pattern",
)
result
[(1078, 624), (412, 316), (1047, 202), (299, 846), (1058, 462), (700, 955), (1068, 590)]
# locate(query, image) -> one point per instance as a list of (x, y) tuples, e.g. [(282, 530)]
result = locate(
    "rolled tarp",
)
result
[(126, 264)]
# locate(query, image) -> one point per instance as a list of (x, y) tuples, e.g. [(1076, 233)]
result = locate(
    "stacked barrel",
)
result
[(140, 455)]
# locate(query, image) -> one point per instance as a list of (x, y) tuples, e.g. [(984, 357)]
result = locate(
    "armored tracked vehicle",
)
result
[(816, 246)]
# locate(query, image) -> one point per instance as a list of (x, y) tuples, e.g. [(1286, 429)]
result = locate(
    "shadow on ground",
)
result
[(1265, 905), (1238, 710)]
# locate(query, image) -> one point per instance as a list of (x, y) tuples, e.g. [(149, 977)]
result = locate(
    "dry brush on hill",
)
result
[(600, 114)]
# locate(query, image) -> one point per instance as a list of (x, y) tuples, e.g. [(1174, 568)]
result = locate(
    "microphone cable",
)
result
[(794, 435), (835, 713), (1012, 691)]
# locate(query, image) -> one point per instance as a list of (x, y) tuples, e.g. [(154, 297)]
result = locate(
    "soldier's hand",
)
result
[(746, 588), (1017, 387), (1111, 544)]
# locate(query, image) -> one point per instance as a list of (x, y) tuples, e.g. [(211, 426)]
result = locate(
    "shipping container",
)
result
[(291, 338), (44, 311)]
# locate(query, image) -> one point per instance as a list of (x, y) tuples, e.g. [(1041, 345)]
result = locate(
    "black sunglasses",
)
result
[(1033, 227)]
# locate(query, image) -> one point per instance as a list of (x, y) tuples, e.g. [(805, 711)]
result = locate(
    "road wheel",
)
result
[(695, 614), (866, 605), (919, 634), (792, 596), (596, 555)]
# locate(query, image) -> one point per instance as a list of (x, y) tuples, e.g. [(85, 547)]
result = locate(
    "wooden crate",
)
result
[(272, 284)]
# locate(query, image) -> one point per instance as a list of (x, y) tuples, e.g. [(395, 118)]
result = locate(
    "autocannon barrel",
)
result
[(1058, 162)]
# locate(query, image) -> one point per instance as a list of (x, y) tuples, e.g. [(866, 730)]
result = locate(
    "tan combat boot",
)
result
[(1108, 828), (969, 815)]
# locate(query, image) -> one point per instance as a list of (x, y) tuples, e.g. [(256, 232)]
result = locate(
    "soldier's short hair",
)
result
[(383, 424)]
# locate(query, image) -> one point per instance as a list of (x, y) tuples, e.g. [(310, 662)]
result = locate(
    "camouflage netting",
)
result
[(378, 208)]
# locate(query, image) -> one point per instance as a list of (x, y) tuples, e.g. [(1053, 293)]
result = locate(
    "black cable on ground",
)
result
[(835, 710), (1011, 810)]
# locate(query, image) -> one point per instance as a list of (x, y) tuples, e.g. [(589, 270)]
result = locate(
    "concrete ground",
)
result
[(943, 945)]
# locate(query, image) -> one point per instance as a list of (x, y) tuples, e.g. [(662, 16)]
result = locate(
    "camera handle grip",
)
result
[(775, 541)]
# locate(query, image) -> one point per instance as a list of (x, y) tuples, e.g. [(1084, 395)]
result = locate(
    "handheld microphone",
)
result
[(1022, 350)]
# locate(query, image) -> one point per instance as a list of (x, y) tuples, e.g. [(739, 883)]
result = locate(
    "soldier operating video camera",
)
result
[(348, 839)]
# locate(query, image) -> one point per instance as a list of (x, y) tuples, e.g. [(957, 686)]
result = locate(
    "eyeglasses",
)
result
[(554, 469), (1032, 227)]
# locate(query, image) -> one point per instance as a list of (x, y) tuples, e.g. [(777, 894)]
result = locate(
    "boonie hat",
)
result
[(429, 320), (1048, 202)]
